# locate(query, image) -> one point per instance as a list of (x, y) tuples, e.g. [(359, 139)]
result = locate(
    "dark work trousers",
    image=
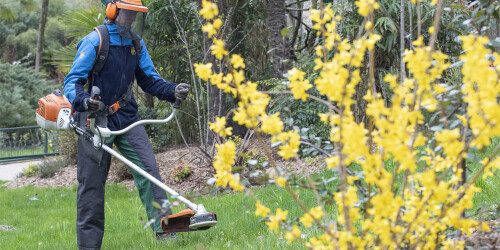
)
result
[(92, 174)]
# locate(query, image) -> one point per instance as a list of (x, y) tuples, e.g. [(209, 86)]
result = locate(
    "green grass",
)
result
[(49, 223), (21, 152), (491, 185)]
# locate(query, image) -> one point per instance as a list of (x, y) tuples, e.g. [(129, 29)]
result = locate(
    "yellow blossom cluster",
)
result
[(365, 7), (219, 127), (481, 89), (293, 234), (298, 85), (275, 219), (314, 214), (374, 209), (261, 210), (223, 166), (252, 104)]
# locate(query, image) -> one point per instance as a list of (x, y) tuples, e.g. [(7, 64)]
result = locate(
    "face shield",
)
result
[(130, 21)]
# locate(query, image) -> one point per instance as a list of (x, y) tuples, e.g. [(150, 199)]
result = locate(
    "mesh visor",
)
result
[(130, 23)]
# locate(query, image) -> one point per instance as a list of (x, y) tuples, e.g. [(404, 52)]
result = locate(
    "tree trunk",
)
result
[(280, 46), (41, 32), (215, 97)]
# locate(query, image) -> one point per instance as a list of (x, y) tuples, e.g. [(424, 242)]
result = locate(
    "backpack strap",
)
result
[(138, 48), (102, 53), (100, 60)]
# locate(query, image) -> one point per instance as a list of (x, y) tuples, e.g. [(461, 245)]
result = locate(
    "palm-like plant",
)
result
[(78, 24)]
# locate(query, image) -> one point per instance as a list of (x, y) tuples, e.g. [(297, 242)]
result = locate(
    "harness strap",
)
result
[(138, 48), (122, 102), (102, 53)]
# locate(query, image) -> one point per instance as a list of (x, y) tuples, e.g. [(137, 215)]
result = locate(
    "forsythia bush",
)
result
[(414, 216)]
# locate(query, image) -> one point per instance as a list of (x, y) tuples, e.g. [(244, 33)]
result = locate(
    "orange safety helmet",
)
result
[(113, 6)]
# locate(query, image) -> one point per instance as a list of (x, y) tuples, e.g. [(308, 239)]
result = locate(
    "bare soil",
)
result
[(484, 240), (201, 171), (196, 181)]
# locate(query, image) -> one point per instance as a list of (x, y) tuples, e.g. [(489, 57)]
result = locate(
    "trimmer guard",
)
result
[(180, 222)]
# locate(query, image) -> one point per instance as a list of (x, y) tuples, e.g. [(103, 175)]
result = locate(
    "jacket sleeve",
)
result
[(77, 76), (150, 81)]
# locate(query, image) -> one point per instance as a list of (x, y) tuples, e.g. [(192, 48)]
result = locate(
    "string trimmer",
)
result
[(54, 113)]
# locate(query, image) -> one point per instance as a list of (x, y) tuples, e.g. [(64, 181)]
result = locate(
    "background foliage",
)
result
[(20, 89)]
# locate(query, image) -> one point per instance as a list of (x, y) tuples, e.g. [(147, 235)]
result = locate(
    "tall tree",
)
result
[(41, 32), (280, 46)]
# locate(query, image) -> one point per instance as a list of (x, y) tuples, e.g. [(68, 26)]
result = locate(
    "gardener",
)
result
[(122, 56)]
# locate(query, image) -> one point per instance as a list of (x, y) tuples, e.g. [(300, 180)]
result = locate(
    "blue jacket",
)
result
[(116, 76)]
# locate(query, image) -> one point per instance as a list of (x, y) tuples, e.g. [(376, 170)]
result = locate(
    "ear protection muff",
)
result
[(111, 10)]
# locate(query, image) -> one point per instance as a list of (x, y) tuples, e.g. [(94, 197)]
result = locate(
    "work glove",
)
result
[(92, 106), (181, 91)]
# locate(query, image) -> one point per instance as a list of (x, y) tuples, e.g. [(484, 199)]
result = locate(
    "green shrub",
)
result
[(50, 167), (31, 170), (181, 171), (66, 144), (20, 89)]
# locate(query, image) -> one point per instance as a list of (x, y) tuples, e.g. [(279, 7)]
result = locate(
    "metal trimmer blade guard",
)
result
[(186, 221)]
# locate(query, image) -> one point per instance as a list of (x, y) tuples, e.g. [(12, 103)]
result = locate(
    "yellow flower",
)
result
[(272, 124), (365, 7), (209, 9), (237, 61), (210, 29), (223, 165), (307, 220), (273, 224), (261, 210), (280, 181), (203, 71), (281, 214), (218, 49), (217, 23), (297, 84), (293, 234), (431, 30), (235, 183), (275, 220), (290, 142), (316, 212), (368, 25), (219, 126)]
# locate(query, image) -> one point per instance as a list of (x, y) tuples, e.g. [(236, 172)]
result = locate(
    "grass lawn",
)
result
[(21, 152), (49, 223)]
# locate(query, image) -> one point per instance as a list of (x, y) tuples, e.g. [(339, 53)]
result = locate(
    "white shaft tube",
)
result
[(158, 183), (135, 124)]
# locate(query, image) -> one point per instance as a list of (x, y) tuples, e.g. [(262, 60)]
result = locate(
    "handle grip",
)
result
[(177, 104), (95, 93)]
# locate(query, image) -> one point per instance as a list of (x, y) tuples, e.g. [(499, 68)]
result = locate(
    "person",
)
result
[(127, 58)]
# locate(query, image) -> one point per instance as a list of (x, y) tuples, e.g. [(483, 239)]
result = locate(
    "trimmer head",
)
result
[(203, 221), (186, 220)]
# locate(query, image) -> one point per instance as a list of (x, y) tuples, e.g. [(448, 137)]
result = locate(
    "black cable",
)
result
[(100, 139)]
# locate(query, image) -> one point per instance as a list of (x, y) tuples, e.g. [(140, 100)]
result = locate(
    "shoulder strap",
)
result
[(102, 53), (138, 48)]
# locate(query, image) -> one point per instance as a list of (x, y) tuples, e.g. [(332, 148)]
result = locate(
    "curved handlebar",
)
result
[(135, 124), (95, 95)]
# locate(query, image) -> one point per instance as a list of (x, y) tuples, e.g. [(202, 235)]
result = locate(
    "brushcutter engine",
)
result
[(54, 112)]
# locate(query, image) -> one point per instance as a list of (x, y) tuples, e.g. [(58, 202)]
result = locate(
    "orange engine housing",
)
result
[(53, 111)]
